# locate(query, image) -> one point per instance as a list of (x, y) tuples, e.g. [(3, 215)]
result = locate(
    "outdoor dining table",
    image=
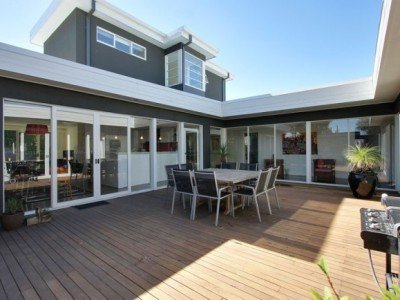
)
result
[(231, 177)]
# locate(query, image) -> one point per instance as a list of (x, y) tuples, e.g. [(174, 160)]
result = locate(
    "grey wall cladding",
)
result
[(68, 41), (215, 87), (110, 59)]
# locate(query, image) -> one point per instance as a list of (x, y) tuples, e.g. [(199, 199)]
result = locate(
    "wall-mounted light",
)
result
[(103, 138), (160, 138), (141, 137), (115, 137)]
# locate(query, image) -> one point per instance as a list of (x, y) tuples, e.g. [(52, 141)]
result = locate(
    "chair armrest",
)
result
[(386, 198), (224, 188), (244, 186)]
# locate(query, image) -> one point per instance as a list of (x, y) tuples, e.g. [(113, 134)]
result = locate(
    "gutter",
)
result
[(88, 32)]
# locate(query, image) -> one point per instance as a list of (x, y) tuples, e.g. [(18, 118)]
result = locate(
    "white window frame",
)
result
[(203, 74), (179, 52), (121, 38)]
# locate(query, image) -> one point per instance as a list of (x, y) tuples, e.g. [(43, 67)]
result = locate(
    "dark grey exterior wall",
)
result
[(328, 114), (68, 41), (107, 58), (215, 87)]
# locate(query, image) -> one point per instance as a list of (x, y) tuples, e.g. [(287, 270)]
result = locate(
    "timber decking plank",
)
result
[(54, 270), (134, 248), (33, 276), (24, 285)]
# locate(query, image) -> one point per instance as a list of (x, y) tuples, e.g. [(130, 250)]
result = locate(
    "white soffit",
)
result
[(387, 63)]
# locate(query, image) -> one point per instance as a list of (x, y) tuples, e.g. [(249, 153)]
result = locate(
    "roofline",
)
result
[(58, 10)]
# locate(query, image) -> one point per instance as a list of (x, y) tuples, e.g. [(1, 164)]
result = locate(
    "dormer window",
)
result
[(111, 39), (194, 72)]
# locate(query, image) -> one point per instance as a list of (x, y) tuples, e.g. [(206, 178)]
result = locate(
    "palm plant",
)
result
[(223, 152), (363, 158)]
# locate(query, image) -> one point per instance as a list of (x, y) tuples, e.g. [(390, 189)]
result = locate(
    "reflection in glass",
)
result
[(26, 169), (262, 146), (74, 159), (167, 148), (113, 155), (330, 140), (237, 144), (140, 154), (215, 143), (291, 150), (376, 131)]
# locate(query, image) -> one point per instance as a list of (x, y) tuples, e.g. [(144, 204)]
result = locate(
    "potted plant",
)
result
[(362, 162), (41, 216), (14, 217), (223, 153)]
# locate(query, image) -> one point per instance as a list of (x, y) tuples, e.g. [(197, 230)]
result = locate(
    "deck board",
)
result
[(133, 248)]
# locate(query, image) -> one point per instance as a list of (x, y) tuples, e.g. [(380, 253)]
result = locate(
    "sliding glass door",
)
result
[(74, 155)]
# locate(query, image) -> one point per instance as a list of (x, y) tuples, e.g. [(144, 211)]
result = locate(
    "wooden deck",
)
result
[(133, 247)]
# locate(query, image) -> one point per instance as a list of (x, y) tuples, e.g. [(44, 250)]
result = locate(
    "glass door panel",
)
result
[(113, 153), (26, 169), (192, 147), (74, 156)]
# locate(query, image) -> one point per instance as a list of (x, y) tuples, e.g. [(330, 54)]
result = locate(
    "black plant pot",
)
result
[(363, 184)]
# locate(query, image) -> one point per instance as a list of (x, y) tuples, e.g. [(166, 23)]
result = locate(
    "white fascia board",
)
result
[(218, 70), (383, 25), (39, 68), (52, 18), (59, 10), (342, 95), (127, 22)]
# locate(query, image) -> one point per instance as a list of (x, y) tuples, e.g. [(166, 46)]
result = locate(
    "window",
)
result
[(121, 44), (173, 66), (105, 37), (194, 72)]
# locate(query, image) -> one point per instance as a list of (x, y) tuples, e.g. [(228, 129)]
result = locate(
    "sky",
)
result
[(271, 46)]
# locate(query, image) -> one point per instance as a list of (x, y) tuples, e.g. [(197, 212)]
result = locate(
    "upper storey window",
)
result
[(194, 72), (110, 39)]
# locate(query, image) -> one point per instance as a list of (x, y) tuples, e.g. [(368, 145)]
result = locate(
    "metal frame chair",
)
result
[(248, 166), (271, 183), (183, 184), (168, 170), (256, 191), (207, 186), (229, 165)]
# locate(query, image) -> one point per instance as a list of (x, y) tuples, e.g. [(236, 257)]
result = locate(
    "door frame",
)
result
[(197, 131)]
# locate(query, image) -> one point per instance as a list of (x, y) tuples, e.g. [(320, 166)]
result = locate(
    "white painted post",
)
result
[(153, 153), (53, 157), (181, 143), (308, 152)]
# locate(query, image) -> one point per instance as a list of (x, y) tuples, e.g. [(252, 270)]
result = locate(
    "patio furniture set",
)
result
[(246, 183)]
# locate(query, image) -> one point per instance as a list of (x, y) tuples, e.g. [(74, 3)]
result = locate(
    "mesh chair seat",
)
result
[(245, 191), (206, 186)]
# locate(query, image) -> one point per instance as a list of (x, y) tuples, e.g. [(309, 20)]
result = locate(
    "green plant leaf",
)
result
[(344, 298), (363, 158), (368, 297), (327, 294), (316, 296), (323, 265)]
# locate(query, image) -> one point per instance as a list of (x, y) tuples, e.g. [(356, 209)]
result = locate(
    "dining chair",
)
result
[(229, 165), (183, 185), (271, 183), (187, 166), (168, 170), (207, 187), (259, 189), (248, 167)]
